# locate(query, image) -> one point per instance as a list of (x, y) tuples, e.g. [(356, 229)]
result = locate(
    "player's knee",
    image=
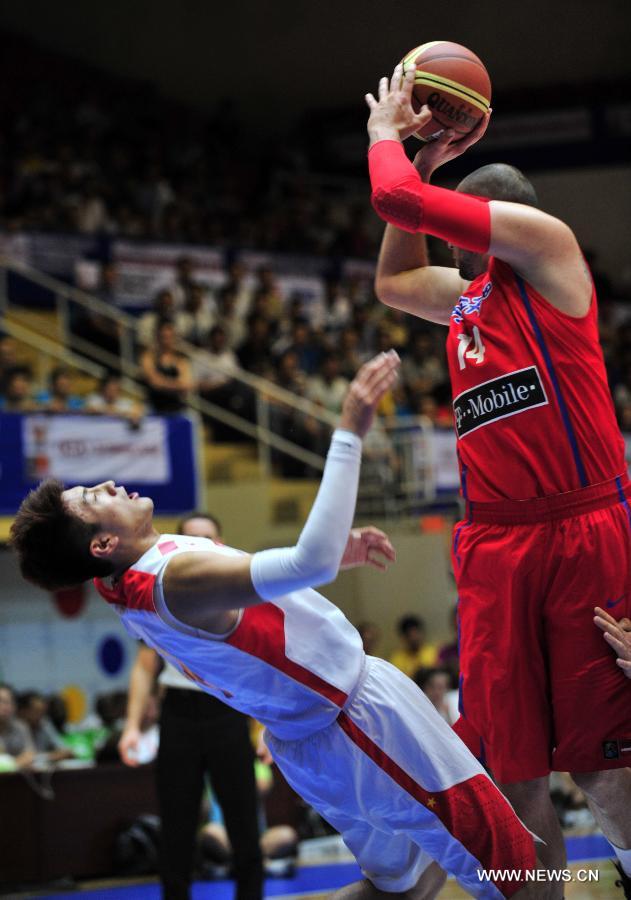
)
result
[(599, 786), (526, 795)]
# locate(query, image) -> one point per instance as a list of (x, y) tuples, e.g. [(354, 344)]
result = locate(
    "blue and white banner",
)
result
[(84, 447), (157, 458)]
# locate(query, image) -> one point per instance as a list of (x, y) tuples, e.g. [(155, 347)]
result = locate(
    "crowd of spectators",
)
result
[(198, 339), (124, 161)]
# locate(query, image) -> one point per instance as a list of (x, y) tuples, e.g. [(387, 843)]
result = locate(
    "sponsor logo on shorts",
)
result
[(499, 398), (610, 750), (625, 746)]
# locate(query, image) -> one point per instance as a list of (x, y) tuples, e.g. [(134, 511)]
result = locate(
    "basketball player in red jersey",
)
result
[(547, 532)]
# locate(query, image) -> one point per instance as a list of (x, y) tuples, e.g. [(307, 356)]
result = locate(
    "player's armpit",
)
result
[(429, 292), (199, 588), (544, 251)]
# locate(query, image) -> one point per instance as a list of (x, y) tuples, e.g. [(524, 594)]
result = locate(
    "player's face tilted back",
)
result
[(110, 508)]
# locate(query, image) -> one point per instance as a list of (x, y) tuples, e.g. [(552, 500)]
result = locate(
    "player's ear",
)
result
[(103, 545)]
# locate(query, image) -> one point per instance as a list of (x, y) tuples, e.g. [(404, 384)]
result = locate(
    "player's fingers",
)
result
[(370, 100), (380, 365), (376, 562), (423, 117), (374, 368), (625, 624), (469, 139), (625, 664), (605, 615), (381, 383), (385, 548), (617, 645), (395, 81), (609, 627), (407, 84), (383, 88), (376, 538)]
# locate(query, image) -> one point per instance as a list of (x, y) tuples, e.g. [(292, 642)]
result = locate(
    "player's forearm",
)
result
[(316, 558), (400, 252), (400, 197), (140, 687)]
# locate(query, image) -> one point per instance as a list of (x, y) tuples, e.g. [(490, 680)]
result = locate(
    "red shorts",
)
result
[(540, 689)]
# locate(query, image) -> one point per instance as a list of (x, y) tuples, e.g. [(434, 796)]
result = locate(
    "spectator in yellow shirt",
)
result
[(414, 653)]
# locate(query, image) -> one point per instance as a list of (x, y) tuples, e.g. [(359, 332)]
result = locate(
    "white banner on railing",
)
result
[(143, 269), (90, 450)]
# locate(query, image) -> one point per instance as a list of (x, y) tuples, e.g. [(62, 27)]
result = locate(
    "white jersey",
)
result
[(291, 663)]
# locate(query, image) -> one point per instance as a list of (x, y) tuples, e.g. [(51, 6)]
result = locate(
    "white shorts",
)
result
[(403, 790)]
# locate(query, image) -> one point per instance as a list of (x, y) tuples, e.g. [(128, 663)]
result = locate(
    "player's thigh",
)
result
[(504, 694), (591, 697)]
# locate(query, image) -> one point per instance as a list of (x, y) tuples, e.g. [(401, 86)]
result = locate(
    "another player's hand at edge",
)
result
[(368, 547), (374, 379), (436, 153), (392, 116), (617, 633)]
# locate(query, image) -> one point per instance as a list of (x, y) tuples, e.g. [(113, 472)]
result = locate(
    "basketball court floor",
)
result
[(592, 873)]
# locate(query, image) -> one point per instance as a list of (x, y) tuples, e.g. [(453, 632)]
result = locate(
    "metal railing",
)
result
[(397, 474)]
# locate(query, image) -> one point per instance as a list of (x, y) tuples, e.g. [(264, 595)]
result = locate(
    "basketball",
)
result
[(455, 85)]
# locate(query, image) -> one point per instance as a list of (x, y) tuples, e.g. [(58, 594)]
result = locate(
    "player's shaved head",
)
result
[(499, 181)]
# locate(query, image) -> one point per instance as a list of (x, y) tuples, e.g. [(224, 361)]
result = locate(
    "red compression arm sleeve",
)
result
[(401, 198)]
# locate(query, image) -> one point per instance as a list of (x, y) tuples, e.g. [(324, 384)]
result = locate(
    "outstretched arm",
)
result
[(539, 247), (199, 586), (143, 675)]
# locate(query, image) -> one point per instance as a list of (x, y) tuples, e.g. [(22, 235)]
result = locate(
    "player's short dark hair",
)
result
[(407, 623), (499, 181), (197, 514), (52, 545)]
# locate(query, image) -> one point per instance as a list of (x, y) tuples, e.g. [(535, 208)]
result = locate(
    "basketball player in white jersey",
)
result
[(353, 735)]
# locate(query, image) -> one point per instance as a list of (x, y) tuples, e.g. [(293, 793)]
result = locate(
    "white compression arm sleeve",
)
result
[(316, 557)]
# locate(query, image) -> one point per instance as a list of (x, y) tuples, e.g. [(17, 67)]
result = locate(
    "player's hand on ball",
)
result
[(392, 116), (436, 153), (618, 636), (368, 547), (374, 379)]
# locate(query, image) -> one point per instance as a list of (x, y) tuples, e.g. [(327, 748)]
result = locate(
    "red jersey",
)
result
[(532, 407)]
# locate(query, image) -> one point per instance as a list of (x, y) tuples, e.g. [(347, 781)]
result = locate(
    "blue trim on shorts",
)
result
[(469, 506), (623, 498), (460, 693), (555, 382), (482, 756)]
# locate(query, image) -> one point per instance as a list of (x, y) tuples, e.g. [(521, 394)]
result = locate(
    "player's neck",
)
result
[(131, 551)]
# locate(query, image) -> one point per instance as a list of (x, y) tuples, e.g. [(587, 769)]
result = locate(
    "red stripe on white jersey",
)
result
[(505, 842), (261, 633), (133, 591)]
